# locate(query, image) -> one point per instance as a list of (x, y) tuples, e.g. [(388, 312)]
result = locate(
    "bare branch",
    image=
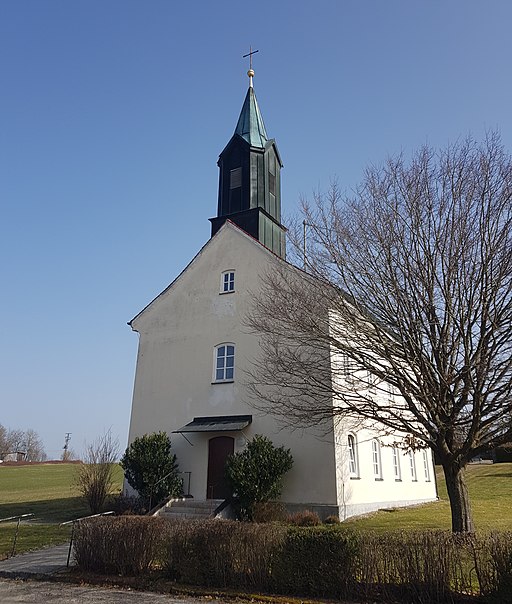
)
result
[(408, 290)]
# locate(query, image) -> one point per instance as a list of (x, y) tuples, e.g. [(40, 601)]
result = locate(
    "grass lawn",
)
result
[(46, 490), (490, 491)]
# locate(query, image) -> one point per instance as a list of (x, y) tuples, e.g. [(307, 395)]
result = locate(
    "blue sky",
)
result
[(112, 117)]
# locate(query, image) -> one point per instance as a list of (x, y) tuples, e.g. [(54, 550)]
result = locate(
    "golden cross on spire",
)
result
[(250, 73)]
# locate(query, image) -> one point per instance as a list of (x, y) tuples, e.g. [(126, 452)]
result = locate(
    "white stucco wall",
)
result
[(173, 383), (365, 491)]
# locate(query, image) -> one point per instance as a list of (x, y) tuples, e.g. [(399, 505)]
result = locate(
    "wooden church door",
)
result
[(219, 448)]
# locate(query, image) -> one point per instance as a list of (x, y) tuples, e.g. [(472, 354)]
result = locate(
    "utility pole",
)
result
[(65, 454)]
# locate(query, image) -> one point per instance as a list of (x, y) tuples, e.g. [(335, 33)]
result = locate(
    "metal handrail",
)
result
[(74, 523), (189, 474), (19, 518), (151, 492)]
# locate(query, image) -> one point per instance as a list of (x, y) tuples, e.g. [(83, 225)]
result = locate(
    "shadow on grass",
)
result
[(31, 536), (52, 511)]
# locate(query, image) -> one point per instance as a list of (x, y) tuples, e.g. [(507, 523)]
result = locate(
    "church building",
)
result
[(194, 351)]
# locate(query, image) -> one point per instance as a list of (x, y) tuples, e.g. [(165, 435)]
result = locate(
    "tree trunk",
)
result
[(462, 519)]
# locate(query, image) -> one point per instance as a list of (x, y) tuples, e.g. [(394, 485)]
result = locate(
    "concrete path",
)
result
[(37, 564), (41, 564)]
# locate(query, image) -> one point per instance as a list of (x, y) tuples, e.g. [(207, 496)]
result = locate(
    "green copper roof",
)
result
[(250, 124)]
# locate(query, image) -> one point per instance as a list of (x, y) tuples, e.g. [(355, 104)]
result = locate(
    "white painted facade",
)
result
[(175, 383)]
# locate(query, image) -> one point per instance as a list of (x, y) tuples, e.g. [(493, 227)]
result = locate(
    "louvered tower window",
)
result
[(235, 180)]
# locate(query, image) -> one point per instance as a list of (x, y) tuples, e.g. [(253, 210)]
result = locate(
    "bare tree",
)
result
[(68, 454), (95, 476), (4, 447), (33, 446), (15, 440), (407, 293), (28, 442)]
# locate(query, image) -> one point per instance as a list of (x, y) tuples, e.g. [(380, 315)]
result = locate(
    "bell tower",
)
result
[(250, 179)]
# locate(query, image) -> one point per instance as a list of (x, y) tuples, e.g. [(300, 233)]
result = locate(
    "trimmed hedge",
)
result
[(124, 545), (222, 553), (318, 561), (322, 561)]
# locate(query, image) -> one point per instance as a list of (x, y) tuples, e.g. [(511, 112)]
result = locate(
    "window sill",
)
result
[(398, 480), (224, 293), (355, 477), (223, 382), (379, 479)]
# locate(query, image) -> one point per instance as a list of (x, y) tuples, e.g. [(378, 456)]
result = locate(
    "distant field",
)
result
[(490, 490), (46, 490)]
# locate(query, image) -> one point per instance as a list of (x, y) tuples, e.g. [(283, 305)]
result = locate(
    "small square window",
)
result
[(227, 284)]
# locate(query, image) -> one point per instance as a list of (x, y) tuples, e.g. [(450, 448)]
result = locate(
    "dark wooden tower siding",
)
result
[(250, 180)]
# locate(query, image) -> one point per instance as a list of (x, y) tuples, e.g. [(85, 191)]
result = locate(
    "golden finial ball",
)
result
[(250, 73)]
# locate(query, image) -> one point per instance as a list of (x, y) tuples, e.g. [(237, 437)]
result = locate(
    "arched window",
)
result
[(377, 468), (412, 465), (352, 456), (396, 464), (224, 363), (426, 465)]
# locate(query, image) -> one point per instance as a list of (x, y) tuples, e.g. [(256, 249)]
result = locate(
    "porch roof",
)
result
[(218, 423)]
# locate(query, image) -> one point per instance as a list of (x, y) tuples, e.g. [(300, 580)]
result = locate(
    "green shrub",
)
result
[(151, 469), (124, 545), (255, 474), (318, 561)]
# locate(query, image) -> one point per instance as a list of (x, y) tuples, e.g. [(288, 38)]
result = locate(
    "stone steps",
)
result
[(191, 509)]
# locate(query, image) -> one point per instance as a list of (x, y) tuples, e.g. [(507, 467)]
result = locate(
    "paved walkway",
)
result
[(41, 563)]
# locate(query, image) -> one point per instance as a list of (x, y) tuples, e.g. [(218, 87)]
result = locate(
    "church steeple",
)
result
[(249, 179), (250, 124)]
